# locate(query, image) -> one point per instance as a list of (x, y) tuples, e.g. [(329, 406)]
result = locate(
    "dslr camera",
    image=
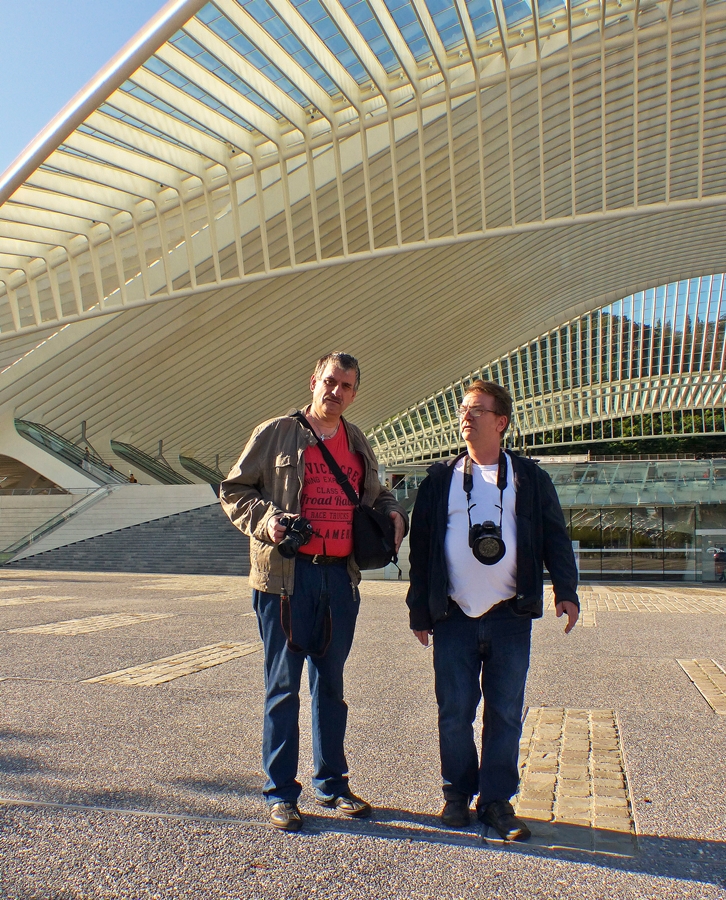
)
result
[(486, 543), (298, 533)]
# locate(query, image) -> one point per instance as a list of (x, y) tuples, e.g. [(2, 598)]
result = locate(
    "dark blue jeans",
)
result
[(283, 670), (489, 656)]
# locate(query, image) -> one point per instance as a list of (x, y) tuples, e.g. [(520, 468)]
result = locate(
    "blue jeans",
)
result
[(283, 670), (489, 656)]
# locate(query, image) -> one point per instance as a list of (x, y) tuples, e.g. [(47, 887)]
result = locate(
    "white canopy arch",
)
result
[(424, 182)]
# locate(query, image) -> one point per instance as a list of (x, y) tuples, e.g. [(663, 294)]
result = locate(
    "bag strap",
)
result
[(335, 469)]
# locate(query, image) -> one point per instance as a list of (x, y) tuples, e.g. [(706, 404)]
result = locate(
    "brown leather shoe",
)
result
[(500, 816), (348, 804), (455, 813), (285, 816)]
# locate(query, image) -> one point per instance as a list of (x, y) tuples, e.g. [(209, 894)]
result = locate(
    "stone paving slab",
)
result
[(25, 601), (595, 599), (169, 668), (89, 624), (710, 679), (573, 774)]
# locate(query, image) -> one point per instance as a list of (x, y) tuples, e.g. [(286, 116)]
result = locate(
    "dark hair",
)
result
[(501, 396), (343, 360)]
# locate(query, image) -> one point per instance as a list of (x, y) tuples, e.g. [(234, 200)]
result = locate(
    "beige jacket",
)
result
[(268, 480)]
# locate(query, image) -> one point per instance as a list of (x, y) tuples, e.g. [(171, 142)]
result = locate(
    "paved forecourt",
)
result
[(130, 719)]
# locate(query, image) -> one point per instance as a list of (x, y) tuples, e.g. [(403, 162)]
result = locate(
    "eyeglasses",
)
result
[(474, 411)]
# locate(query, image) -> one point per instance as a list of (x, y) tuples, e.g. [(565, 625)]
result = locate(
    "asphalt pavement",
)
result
[(146, 784)]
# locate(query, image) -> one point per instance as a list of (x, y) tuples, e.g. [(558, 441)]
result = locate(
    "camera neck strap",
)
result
[(333, 466), (501, 484)]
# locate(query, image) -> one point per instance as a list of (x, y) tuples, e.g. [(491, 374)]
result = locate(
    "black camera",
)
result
[(298, 533), (486, 543)]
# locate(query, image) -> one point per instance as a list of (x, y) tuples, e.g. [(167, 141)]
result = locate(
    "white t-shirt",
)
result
[(474, 586)]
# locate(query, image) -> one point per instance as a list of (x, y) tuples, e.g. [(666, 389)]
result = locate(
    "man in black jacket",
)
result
[(483, 526)]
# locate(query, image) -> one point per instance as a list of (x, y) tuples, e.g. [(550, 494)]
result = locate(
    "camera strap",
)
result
[(501, 484), (333, 466)]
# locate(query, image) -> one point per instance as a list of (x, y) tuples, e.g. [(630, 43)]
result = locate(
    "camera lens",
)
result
[(298, 533), (486, 543)]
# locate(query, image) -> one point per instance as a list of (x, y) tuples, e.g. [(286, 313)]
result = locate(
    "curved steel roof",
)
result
[(250, 182)]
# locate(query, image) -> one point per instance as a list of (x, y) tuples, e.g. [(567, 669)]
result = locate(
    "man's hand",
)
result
[(570, 609), (423, 636), (275, 530), (399, 528)]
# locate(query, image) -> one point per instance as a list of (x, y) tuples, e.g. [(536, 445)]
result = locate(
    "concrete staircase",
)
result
[(196, 542), (122, 507)]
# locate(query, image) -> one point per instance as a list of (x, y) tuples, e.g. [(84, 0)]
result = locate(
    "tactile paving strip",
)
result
[(90, 623), (22, 601), (710, 679), (573, 782), (639, 601), (170, 667)]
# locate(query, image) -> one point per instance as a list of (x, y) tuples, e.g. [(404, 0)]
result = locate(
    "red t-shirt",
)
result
[(324, 502)]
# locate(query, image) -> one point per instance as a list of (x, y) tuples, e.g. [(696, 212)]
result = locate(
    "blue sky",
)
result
[(49, 50)]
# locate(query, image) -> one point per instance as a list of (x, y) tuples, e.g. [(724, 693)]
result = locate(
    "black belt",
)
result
[(453, 603), (319, 560)]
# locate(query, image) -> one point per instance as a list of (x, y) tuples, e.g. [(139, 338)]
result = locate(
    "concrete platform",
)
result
[(148, 786)]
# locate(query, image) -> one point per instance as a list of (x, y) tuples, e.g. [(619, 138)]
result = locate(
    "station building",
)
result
[(530, 192)]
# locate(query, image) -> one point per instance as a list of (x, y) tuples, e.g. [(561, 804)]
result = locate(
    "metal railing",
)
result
[(206, 473), (90, 499), (55, 444), (156, 467)]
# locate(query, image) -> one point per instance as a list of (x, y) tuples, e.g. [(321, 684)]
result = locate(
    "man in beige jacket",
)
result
[(305, 580)]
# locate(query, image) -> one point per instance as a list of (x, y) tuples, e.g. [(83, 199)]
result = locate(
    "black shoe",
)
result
[(348, 804), (285, 816), (500, 816), (455, 813)]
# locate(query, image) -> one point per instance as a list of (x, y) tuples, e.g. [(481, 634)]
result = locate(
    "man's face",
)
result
[(333, 390), (487, 426)]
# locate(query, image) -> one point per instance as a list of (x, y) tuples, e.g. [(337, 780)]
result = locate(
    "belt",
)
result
[(453, 603), (319, 560)]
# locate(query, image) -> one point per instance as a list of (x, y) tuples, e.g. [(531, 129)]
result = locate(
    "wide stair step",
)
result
[(197, 542)]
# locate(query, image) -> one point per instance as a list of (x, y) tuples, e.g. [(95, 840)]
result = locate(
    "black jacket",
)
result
[(542, 538)]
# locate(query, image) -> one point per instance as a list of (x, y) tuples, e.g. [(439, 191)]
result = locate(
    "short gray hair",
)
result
[(343, 360)]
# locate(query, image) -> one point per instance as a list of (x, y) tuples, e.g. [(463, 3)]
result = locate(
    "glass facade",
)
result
[(649, 365), (633, 520)]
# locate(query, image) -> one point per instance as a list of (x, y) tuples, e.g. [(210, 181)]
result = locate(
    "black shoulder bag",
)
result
[(374, 542)]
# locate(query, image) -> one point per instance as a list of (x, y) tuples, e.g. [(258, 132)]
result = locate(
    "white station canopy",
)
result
[(424, 183)]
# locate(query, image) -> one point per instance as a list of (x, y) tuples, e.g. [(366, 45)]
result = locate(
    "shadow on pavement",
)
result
[(210, 787), (683, 858), (686, 859), (16, 760)]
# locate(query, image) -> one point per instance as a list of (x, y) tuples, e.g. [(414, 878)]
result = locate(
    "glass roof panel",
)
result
[(548, 7), (315, 15), (160, 68), (362, 15), (516, 11), (109, 110), (81, 154), (482, 17), (189, 47), (102, 136), (408, 24), (446, 20), (144, 96), (228, 31), (263, 13)]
